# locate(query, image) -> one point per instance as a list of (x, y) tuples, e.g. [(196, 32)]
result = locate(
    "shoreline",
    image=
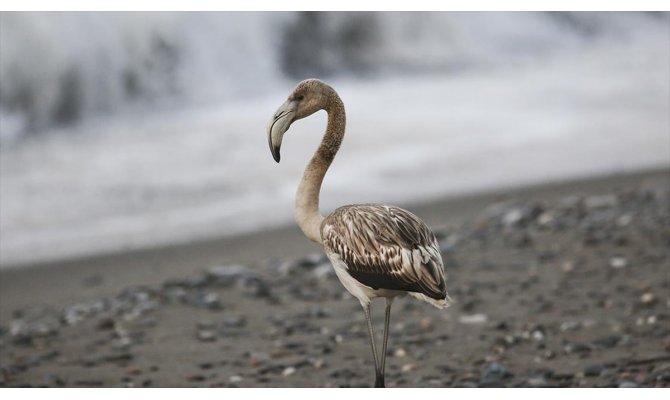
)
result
[(53, 281), (563, 285)]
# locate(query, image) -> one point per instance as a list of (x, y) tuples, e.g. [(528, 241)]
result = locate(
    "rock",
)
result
[(123, 339), (618, 262), (207, 300), (588, 323), (206, 365), (188, 283), (134, 371), (624, 220), (314, 311), (501, 326), (513, 217), (106, 324), (628, 384), (227, 275), (206, 335), (206, 325), (520, 239), (563, 376), (88, 383), (235, 379), (54, 380), (344, 373), (426, 323), (195, 378), (257, 358), (323, 271), (449, 243), (468, 304), (312, 260), (255, 286), (119, 357), (547, 255), (608, 341), (288, 371), (545, 219), (537, 335), (537, 381), (473, 319), (493, 375), (306, 263), (594, 370), (570, 326), (33, 324), (601, 201), (648, 299), (234, 322), (568, 266), (408, 367), (577, 348)]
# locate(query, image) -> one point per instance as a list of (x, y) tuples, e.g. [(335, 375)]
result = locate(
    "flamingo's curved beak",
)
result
[(278, 125)]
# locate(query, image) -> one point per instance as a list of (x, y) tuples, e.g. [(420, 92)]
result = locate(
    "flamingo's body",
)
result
[(376, 250)]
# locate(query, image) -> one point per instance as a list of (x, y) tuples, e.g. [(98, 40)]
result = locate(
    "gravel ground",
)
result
[(572, 291)]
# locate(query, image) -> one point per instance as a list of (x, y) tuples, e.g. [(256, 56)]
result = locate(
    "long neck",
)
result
[(307, 213)]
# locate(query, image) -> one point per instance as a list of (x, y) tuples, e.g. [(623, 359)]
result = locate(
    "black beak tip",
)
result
[(275, 154)]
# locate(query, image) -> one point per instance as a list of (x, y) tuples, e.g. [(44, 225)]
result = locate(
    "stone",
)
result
[(255, 286), (601, 201), (568, 266), (594, 370), (624, 220), (648, 299), (227, 275), (493, 375), (577, 348), (400, 352), (408, 367), (195, 378), (537, 381), (608, 341), (513, 217), (618, 262), (234, 322), (473, 319), (545, 219), (208, 325), (449, 243), (570, 326), (323, 271), (207, 300), (206, 336), (119, 357)]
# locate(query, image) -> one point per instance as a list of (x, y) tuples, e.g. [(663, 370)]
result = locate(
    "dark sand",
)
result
[(557, 285)]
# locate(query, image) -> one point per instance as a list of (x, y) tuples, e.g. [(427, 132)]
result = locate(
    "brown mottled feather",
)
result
[(386, 247)]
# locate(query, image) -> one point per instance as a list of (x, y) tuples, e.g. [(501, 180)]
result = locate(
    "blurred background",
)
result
[(126, 130)]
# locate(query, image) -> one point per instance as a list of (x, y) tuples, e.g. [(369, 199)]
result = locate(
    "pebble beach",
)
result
[(561, 285)]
